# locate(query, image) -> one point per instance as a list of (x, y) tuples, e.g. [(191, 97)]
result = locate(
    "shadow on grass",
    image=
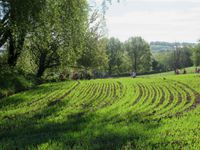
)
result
[(83, 129), (19, 98)]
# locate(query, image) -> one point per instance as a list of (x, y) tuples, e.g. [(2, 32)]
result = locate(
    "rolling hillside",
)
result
[(145, 112)]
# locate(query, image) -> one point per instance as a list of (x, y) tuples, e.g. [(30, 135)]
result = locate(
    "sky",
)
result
[(154, 20)]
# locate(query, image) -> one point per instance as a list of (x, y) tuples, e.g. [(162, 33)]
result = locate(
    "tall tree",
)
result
[(186, 57), (58, 37), (115, 53), (139, 53), (94, 54), (17, 17), (182, 57), (196, 55)]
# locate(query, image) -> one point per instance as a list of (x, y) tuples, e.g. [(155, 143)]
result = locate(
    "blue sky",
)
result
[(154, 20)]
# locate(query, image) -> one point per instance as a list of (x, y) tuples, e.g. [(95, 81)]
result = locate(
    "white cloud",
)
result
[(168, 20), (176, 24), (129, 1), (100, 1), (160, 1)]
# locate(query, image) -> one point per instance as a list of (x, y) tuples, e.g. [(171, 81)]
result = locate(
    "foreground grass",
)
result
[(142, 113)]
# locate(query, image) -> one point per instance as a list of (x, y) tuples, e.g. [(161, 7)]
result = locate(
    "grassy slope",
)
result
[(190, 70), (11, 82), (121, 113)]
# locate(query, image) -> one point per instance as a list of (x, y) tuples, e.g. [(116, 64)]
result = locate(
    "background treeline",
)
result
[(65, 39), (162, 46), (179, 58)]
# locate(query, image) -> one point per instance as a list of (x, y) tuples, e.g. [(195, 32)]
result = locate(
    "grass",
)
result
[(11, 81), (190, 70), (148, 112)]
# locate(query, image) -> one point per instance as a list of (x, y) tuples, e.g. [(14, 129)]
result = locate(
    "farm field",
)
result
[(147, 112)]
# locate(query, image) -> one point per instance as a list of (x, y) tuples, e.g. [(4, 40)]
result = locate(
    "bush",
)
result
[(12, 81)]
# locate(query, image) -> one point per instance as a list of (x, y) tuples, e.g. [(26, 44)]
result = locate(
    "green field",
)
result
[(149, 112)]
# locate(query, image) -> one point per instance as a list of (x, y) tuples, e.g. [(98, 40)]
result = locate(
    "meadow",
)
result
[(148, 112)]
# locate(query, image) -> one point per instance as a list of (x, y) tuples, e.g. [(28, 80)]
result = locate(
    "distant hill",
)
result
[(163, 46)]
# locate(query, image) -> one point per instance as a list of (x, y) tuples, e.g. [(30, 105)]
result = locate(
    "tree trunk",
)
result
[(42, 66), (110, 70), (15, 48), (135, 63), (12, 58)]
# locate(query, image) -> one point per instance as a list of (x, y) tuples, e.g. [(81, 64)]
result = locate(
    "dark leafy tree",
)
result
[(17, 18), (139, 53), (196, 55), (115, 54), (58, 36), (94, 54)]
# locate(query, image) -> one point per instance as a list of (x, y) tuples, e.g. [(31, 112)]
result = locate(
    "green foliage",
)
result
[(17, 19), (58, 38), (115, 54), (179, 58), (126, 113), (93, 54), (12, 81), (73, 19), (196, 55), (3, 58), (139, 53)]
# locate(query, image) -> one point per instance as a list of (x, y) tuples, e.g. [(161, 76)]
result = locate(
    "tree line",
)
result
[(62, 38), (179, 58)]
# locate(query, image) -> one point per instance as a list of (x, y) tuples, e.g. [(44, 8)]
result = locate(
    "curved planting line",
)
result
[(46, 97), (124, 100), (189, 101), (184, 102), (157, 94), (100, 93), (115, 87), (189, 98), (52, 103), (156, 102), (195, 93), (108, 99), (141, 94), (113, 97), (43, 103), (174, 106), (73, 97), (122, 89), (147, 102), (95, 100), (83, 89), (166, 99), (171, 97), (91, 92), (78, 103), (142, 100), (87, 100), (86, 91), (165, 92), (109, 96), (147, 108), (104, 100), (173, 103), (122, 93)]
